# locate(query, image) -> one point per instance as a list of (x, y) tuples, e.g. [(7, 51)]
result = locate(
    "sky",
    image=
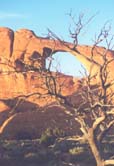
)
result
[(38, 15)]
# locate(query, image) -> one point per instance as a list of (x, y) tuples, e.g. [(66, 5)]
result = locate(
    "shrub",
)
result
[(76, 150), (49, 136)]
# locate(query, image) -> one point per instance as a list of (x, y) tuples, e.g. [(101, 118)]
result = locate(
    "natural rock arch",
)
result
[(22, 44), (24, 47)]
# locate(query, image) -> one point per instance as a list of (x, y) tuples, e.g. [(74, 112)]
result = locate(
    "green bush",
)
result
[(76, 150), (79, 154), (49, 136)]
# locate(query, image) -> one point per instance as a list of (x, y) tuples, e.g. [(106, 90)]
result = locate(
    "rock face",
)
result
[(22, 55), (6, 42), (22, 51)]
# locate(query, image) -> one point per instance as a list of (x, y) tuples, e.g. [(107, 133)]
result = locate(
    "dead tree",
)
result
[(95, 114)]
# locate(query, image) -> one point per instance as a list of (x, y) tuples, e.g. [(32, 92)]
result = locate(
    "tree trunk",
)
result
[(94, 149)]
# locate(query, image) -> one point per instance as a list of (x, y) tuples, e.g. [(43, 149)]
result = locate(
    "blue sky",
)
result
[(39, 15)]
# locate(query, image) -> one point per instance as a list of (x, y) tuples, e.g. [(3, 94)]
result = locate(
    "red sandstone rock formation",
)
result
[(24, 47), (21, 50)]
